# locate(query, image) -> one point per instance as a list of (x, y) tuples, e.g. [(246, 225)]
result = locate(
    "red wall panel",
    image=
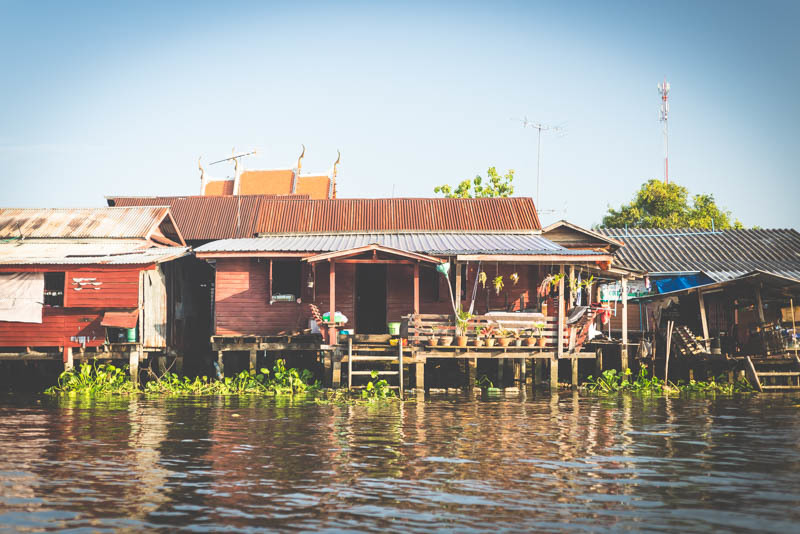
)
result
[(118, 288), (58, 326)]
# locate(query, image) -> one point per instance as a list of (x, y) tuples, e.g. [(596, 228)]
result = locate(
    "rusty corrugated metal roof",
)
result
[(209, 218), (93, 223), (722, 255), (77, 252)]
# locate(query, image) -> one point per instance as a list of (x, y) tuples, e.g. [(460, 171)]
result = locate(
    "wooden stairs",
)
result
[(775, 373), (373, 353)]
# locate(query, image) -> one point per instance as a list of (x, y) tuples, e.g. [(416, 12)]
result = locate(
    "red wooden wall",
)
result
[(57, 327), (119, 288)]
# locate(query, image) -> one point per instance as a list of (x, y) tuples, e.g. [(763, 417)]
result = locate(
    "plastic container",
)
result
[(394, 328), (130, 335)]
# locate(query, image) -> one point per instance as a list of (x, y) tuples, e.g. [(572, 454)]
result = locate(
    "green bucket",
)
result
[(394, 328), (130, 335)]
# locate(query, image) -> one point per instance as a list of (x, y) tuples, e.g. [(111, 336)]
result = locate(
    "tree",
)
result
[(496, 186), (660, 205)]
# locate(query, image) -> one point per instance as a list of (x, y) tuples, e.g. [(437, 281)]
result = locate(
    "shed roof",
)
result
[(770, 283), (75, 252), (722, 255), (441, 244), (82, 223), (208, 218)]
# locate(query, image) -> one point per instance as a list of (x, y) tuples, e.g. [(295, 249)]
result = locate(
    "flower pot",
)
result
[(518, 342), (542, 342), (446, 340), (478, 342), (433, 341), (503, 341), (490, 342), (461, 341), (530, 341)]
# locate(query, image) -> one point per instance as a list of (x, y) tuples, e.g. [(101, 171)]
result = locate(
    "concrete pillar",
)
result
[(419, 372), (68, 361), (253, 361)]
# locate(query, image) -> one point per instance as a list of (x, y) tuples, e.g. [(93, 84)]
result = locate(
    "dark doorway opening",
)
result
[(371, 299)]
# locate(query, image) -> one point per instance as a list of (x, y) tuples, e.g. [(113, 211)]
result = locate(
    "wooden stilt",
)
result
[(68, 361), (472, 372), (598, 361), (419, 372), (553, 374), (134, 358), (221, 363), (253, 361), (336, 379), (538, 365), (624, 348), (574, 362), (501, 364), (703, 320)]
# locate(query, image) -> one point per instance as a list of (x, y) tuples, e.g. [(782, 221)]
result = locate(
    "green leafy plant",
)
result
[(94, 378), (483, 382), (497, 283), (463, 318), (376, 389)]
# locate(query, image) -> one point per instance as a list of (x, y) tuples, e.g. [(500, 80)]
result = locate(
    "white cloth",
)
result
[(21, 297)]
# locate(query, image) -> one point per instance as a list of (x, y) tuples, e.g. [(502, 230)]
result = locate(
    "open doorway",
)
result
[(371, 298)]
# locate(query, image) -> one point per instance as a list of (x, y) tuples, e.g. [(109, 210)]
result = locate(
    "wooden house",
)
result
[(96, 282)]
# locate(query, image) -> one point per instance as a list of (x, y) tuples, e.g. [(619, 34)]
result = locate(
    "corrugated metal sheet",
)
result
[(427, 243), (128, 222), (722, 255), (203, 218), (208, 218), (45, 252)]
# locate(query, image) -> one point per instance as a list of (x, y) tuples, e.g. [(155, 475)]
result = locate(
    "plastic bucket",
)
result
[(130, 335), (394, 328)]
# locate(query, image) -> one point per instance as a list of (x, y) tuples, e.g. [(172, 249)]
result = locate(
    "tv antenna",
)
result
[(663, 115), (540, 127), (234, 157)]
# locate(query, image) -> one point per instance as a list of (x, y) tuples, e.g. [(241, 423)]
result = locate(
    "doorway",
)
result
[(371, 298)]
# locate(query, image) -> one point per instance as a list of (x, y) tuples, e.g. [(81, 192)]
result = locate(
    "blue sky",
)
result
[(103, 98)]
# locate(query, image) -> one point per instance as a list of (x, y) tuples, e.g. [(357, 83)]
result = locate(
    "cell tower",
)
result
[(663, 90)]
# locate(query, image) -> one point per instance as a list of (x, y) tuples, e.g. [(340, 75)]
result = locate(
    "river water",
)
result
[(549, 463)]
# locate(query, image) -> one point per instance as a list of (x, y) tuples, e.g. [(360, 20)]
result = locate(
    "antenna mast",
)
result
[(539, 126), (663, 90)]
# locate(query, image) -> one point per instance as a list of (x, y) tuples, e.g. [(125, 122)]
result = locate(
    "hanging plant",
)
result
[(544, 286), (482, 279), (556, 279), (514, 278), (588, 282), (497, 282), (573, 284)]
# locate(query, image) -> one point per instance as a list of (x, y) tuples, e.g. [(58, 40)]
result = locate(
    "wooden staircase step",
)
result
[(778, 373), (380, 373), (780, 387), (370, 358), (363, 387)]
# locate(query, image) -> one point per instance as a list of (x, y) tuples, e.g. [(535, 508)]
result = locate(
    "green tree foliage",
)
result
[(660, 205), (495, 186)]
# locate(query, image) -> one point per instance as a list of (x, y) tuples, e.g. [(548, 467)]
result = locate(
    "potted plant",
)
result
[(478, 337), (530, 340), (445, 339), (433, 340), (540, 334), (504, 338), (488, 334), (462, 322), (515, 335)]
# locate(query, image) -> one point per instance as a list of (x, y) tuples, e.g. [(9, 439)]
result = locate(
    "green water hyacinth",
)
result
[(94, 378), (612, 381)]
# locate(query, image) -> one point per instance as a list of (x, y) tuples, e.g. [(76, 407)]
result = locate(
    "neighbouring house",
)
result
[(735, 289), (94, 282)]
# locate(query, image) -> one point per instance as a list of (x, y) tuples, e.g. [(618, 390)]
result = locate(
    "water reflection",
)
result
[(519, 462)]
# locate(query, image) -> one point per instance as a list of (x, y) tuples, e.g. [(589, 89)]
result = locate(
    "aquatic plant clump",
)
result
[(106, 378), (612, 381)]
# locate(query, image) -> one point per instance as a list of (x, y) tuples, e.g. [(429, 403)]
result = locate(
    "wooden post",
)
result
[(624, 348), (501, 364), (457, 290), (701, 300), (472, 372), (553, 374), (416, 288), (253, 361), (419, 369), (332, 319), (794, 326), (598, 361), (574, 363), (400, 367), (68, 361), (571, 292), (220, 364), (670, 325), (760, 306), (336, 378), (349, 362), (327, 362), (518, 376), (538, 364), (134, 357)]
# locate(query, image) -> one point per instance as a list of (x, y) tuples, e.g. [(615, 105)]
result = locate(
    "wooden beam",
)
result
[(760, 305), (514, 258), (624, 348), (560, 329), (331, 327), (416, 288), (457, 290), (703, 320), (378, 261)]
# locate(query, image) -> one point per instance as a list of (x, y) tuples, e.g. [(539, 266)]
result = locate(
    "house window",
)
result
[(53, 289), (286, 279), (429, 284)]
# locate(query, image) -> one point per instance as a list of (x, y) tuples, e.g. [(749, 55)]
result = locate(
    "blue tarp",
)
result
[(675, 283)]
